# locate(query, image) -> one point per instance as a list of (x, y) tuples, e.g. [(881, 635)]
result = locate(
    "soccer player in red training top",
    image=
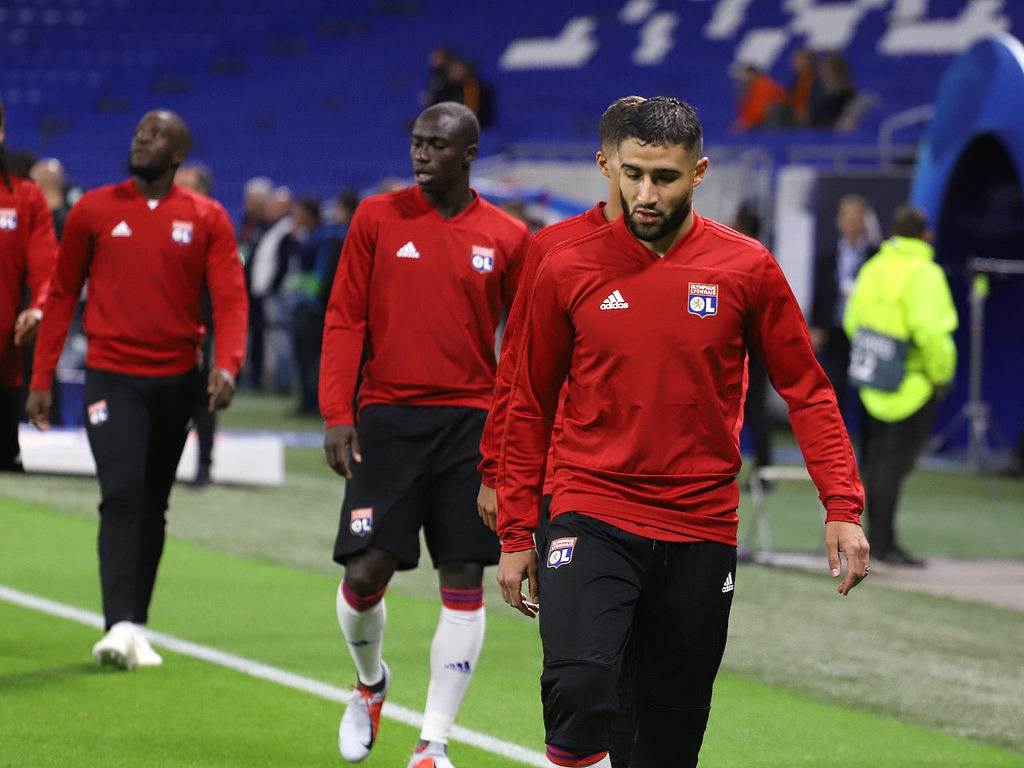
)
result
[(560, 232), (423, 276), (28, 252), (146, 246), (650, 318), (609, 129)]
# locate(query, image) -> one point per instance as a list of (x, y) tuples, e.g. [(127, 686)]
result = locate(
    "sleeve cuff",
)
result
[(520, 542)]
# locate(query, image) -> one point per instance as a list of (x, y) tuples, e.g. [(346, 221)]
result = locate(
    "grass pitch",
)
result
[(881, 678)]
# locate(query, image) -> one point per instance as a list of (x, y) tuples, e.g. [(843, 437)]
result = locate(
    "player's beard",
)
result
[(670, 222)]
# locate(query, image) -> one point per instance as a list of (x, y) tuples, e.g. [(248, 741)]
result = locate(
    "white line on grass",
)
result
[(273, 674)]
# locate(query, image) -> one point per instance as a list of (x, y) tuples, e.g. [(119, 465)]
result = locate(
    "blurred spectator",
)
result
[(264, 207), (256, 195), (437, 80), (759, 99), (804, 86), (835, 272), (755, 408), (48, 173), (195, 176), (335, 226), (900, 318), (316, 245), (199, 178), (518, 209), (272, 351), (1016, 465), (836, 92), (465, 87), (28, 254)]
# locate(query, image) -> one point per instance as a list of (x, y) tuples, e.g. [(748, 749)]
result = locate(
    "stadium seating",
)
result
[(318, 94)]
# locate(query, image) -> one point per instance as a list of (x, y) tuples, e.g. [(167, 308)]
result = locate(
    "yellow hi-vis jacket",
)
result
[(901, 292)]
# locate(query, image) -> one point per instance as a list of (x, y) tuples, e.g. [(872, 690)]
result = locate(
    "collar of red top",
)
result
[(424, 205), (622, 234)]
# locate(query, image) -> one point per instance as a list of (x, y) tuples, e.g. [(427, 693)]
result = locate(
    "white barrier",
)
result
[(237, 458)]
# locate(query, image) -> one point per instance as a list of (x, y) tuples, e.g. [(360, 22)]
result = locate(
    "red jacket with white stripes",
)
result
[(654, 350), (146, 267), (421, 296)]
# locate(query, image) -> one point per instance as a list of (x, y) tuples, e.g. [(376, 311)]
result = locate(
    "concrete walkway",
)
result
[(994, 582)]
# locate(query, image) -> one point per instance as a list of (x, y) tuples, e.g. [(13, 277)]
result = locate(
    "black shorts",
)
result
[(612, 602), (418, 471)]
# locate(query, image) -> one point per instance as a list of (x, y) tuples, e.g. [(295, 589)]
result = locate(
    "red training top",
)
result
[(544, 241), (146, 268), (28, 252), (655, 352), (423, 295)]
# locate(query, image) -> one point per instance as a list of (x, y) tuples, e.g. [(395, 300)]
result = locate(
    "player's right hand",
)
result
[(487, 506), (513, 568), (37, 408), (339, 441)]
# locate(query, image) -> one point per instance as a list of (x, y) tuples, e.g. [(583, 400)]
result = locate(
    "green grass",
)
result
[(941, 512), (259, 411), (189, 713), (881, 678)]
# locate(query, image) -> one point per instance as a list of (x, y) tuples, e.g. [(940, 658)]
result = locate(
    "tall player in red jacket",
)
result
[(609, 133), (146, 247), (607, 160), (650, 318), (28, 252), (423, 276)]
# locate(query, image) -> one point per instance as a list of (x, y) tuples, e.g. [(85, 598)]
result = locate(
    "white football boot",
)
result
[(361, 721)]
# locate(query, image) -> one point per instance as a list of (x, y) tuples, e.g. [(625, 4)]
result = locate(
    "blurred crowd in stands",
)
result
[(821, 94)]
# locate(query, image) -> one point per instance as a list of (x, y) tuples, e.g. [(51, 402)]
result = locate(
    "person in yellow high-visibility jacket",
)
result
[(900, 318)]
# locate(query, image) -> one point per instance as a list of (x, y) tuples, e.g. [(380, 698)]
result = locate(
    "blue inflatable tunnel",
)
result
[(970, 181)]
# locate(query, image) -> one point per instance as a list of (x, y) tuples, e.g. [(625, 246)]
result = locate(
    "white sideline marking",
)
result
[(273, 674)]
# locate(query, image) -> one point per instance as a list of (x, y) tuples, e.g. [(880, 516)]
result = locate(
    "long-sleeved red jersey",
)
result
[(544, 241), (146, 268), (654, 350), (422, 295), (28, 253)]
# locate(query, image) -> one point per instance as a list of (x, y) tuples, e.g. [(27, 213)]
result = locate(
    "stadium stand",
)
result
[(317, 92), (319, 95)]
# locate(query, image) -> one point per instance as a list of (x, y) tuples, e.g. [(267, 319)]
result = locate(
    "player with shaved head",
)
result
[(424, 276), (147, 247)]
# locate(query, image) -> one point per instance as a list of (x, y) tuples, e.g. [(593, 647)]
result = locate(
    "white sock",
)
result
[(364, 632), (453, 656), (604, 762)]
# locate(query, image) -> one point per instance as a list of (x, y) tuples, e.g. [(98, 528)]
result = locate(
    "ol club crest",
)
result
[(362, 521), (702, 299), (560, 551)]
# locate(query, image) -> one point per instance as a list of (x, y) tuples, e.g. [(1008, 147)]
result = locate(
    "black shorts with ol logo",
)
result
[(418, 471)]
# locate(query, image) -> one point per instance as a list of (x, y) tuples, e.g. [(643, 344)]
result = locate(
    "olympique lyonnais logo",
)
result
[(362, 521), (8, 218), (702, 299), (181, 232), (483, 259), (98, 412), (560, 552)]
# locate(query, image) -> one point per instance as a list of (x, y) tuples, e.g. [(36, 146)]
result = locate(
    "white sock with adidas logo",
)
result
[(453, 655), (364, 632)]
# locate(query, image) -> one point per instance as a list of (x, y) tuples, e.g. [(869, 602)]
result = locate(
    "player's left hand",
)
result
[(26, 327), (487, 506), (849, 539), (513, 568), (221, 389)]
